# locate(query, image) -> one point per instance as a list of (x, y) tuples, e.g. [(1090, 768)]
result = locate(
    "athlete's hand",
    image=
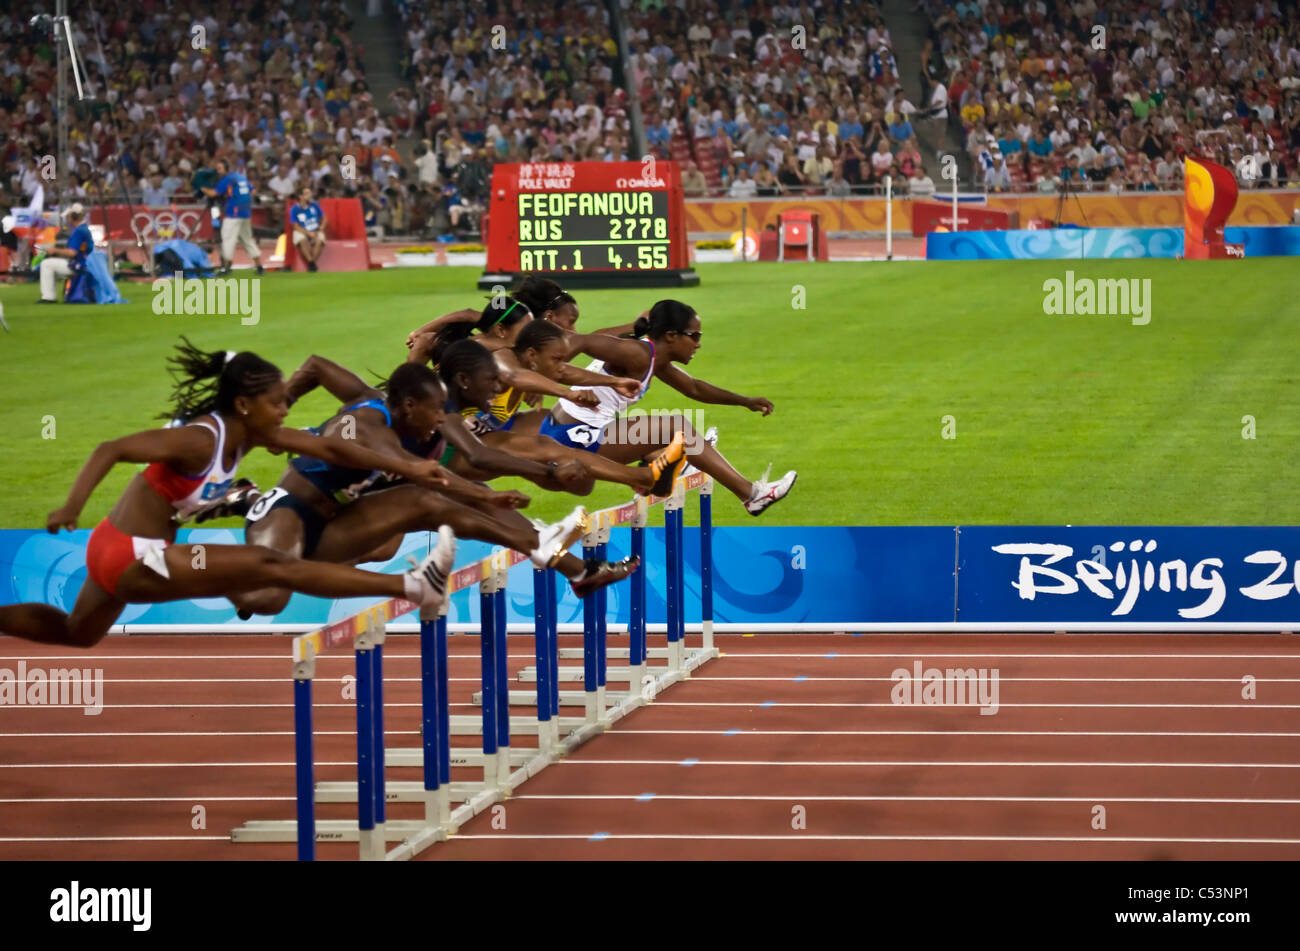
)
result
[(758, 404), (584, 398), (428, 474), (63, 517), (509, 500), (627, 387), (533, 399), (421, 344)]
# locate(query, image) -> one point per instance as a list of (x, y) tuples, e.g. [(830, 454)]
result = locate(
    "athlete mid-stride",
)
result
[(327, 512), (229, 403), (669, 334)]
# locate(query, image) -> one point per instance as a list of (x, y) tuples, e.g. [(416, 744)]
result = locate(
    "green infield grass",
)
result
[(908, 393)]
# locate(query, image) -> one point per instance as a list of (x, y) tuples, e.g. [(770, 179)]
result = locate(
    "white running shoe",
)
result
[(710, 437), (554, 540), (765, 493), (426, 583)]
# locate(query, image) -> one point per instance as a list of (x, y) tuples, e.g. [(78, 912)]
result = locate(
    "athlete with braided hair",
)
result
[(229, 403)]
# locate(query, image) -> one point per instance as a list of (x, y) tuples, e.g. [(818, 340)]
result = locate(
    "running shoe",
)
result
[(711, 438), (426, 583), (598, 574), (239, 498), (667, 466), (555, 539), (765, 493)]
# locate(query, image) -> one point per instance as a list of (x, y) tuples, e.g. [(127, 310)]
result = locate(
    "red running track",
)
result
[(787, 747)]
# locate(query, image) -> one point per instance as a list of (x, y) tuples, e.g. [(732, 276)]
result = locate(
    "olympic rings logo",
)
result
[(165, 225)]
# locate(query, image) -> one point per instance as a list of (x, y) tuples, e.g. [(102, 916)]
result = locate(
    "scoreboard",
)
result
[(588, 224)]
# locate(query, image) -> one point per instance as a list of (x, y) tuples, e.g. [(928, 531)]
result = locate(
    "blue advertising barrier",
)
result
[(861, 578), (1098, 243)]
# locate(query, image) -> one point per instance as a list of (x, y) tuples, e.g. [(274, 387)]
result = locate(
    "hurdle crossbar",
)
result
[(504, 768)]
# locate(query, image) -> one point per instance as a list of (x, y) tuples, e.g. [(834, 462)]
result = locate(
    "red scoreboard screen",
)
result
[(575, 219)]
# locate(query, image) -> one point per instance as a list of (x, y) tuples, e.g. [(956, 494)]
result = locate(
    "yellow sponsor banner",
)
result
[(1091, 211)]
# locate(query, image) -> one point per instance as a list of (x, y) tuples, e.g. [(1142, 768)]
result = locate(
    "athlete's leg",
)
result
[(638, 442), (280, 529), (218, 571), (544, 449), (375, 518), (91, 617)]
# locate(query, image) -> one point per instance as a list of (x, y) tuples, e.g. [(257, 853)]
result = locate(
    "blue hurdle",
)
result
[(436, 757)]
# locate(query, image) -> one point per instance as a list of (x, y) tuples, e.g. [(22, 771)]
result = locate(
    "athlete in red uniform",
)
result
[(233, 403)]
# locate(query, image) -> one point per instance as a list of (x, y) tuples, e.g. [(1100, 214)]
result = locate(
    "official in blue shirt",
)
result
[(236, 220), (60, 263), (308, 228)]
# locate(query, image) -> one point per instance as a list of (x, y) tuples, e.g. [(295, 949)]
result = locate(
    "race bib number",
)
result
[(585, 435), (265, 504)]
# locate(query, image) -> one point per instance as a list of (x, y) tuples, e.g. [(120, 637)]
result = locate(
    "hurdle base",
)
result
[(327, 830)]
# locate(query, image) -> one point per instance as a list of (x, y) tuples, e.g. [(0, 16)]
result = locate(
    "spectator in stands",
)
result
[(60, 263), (920, 185), (742, 186), (768, 186), (426, 164), (1097, 174), (284, 180), (900, 129), (909, 158), (1072, 177), (152, 193), (308, 223), (790, 176), (837, 186), (818, 169), (998, 178), (881, 159), (693, 181)]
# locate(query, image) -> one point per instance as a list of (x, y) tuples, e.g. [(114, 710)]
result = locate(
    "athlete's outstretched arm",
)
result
[(703, 392), (186, 448), (480, 456), (623, 352), (344, 385), (528, 381), (347, 452), (576, 376), (420, 342)]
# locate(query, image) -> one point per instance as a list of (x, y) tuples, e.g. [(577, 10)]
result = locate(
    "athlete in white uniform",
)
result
[(672, 332)]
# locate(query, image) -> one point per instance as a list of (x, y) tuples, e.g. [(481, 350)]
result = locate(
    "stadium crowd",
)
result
[(276, 88), (754, 100), (1111, 95)]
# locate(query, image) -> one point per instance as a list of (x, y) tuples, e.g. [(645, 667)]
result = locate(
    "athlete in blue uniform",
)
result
[(326, 512)]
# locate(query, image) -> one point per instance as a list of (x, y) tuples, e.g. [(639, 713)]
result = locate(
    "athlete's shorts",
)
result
[(111, 551), (313, 523), (573, 435)]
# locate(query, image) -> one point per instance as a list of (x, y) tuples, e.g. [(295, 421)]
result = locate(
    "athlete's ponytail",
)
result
[(502, 310), (665, 316), (210, 381)]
